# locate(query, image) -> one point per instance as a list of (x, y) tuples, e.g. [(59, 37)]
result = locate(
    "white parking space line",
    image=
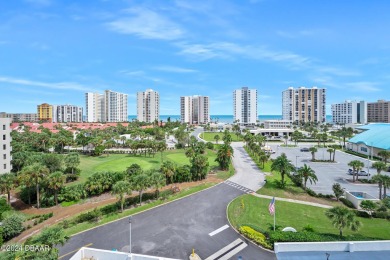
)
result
[(218, 230)]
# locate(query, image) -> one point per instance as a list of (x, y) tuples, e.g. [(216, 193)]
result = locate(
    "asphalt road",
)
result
[(174, 229), (329, 173)]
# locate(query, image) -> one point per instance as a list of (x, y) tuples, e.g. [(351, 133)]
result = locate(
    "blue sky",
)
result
[(54, 51)]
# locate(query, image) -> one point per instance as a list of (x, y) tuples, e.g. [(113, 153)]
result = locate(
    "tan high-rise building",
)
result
[(5, 145), (195, 109), (148, 106), (304, 104), (378, 112), (45, 112)]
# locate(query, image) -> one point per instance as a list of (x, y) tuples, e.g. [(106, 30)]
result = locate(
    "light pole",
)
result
[(296, 161), (130, 236)]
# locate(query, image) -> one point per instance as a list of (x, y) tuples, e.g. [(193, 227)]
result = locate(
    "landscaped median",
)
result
[(249, 215)]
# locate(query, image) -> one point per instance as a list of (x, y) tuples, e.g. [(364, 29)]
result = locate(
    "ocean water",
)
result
[(224, 118)]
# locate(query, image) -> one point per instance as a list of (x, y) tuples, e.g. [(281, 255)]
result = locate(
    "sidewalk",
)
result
[(294, 201)]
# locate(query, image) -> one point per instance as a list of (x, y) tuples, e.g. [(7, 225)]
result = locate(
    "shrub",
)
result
[(4, 207), (91, 216), (256, 236), (280, 236), (72, 193), (210, 145), (347, 203), (12, 225), (311, 192), (381, 214), (363, 214), (308, 228)]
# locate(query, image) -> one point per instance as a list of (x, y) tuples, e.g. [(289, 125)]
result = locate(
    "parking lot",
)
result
[(329, 173)]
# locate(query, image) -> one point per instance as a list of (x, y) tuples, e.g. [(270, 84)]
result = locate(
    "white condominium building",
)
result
[(245, 106), (148, 106), (304, 104), (350, 112), (115, 107), (94, 106), (67, 114), (5, 145), (195, 109), (108, 107)]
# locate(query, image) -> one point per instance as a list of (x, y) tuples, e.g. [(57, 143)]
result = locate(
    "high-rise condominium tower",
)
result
[(349, 112), (115, 106), (108, 107), (304, 104), (5, 145), (148, 106), (378, 112), (195, 109), (245, 106), (67, 114)]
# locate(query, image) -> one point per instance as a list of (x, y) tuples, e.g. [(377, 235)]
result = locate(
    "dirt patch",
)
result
[(60, 213)]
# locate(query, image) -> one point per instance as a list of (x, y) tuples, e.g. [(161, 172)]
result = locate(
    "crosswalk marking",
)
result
[(238, 186)]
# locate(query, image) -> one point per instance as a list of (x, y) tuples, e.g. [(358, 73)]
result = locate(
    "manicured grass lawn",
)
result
[(209, 136), (119, 162), (255, 213)]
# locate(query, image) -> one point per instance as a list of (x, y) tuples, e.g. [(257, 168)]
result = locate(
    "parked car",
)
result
[(360, 173), (305, 149)]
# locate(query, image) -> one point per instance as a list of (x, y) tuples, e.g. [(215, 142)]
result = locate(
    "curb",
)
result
[(246, 239)]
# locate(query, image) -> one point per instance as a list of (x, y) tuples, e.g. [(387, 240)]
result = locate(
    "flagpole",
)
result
[(274, 219)]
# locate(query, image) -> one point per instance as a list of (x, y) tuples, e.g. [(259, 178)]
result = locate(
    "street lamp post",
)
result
[(130, 236), (296, 161)]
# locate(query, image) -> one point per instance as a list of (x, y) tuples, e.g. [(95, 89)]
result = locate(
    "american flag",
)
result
[(271, 207)]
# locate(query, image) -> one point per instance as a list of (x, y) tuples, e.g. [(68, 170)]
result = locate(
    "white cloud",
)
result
[(231, 50), (365, 86), (59, 85), (147, 24), (175, 69)]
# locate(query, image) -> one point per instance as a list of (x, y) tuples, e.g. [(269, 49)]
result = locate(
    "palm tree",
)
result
[(161, 147), (120, 189), (379, 179), (341, 218), (307, 173), (385, 155), (157, 180), (224, 156), (227, 137), (55, 182), (7, 183), (25, 179), (264, 157), (345, 133), (313, 151), (72, 160), (140, 183), (330, 151), (37, 172), (216, 138), (168, 169), (356, 166), (282, 165), (379, 166)]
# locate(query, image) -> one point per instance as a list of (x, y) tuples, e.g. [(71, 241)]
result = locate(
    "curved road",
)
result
[(198, 221)]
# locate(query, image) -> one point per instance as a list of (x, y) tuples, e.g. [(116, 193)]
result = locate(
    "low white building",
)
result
[(277, 124)]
